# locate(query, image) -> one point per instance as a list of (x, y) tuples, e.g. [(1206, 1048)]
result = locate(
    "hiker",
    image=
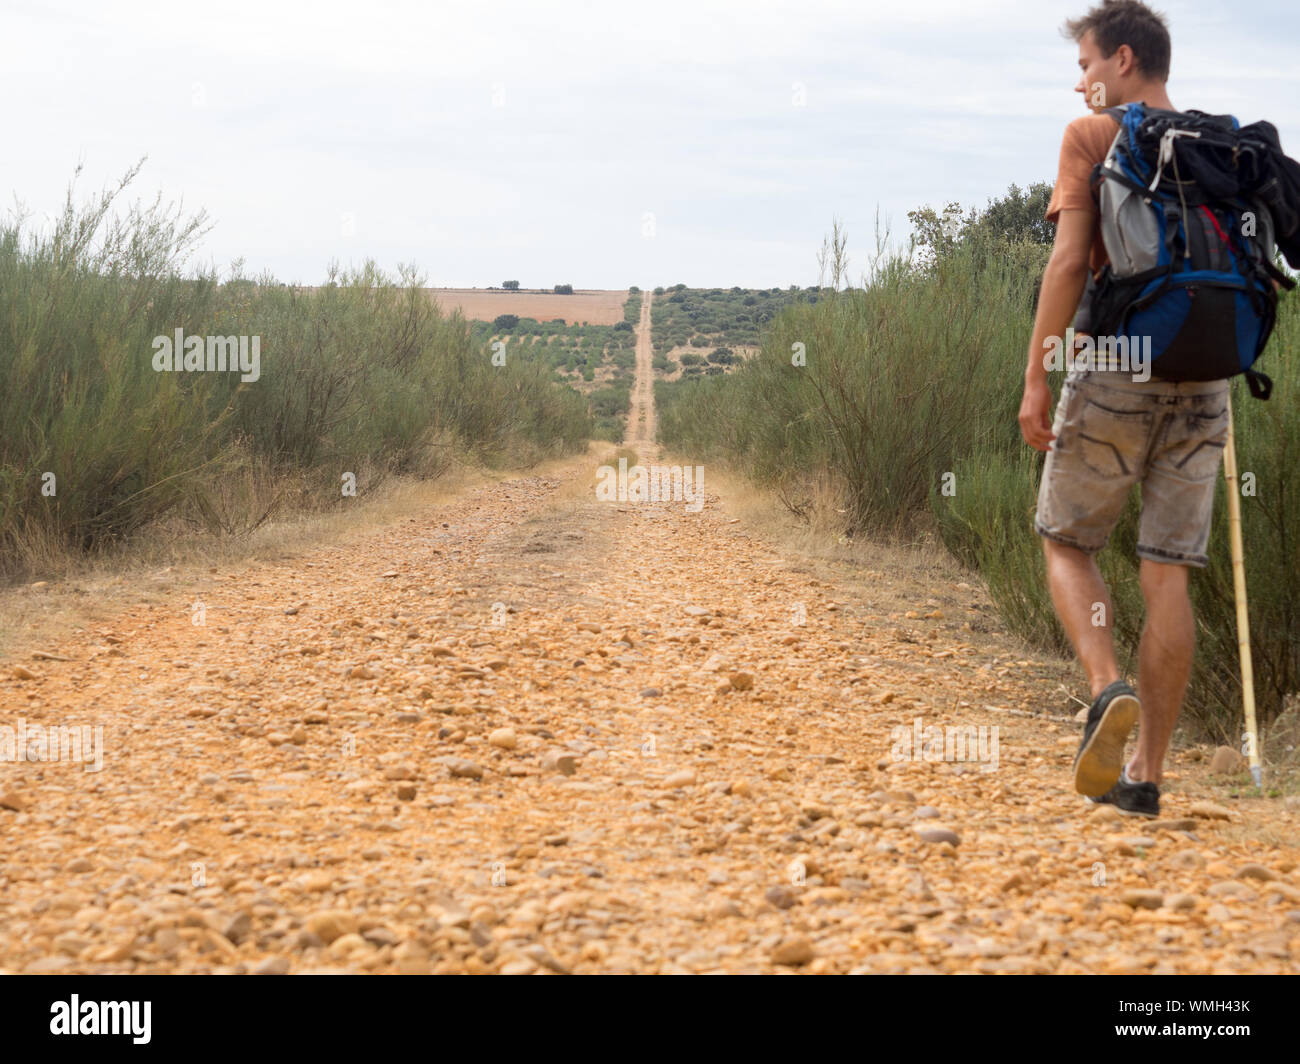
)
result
[(1115, 427)]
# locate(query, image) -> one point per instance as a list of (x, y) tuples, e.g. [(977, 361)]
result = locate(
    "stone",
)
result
[(780, 896), (793, 952), (1209, 811), (682, 778), (462, 768), (564, 764), (1184, 824), (741, 681), (14, 801), (503, 739), (939, 835), (330, 924), (1226, 762), (345, 945), (1142, 899), (238, 928)]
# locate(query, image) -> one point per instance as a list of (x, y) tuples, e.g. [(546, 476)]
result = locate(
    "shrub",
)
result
[(364, 372)]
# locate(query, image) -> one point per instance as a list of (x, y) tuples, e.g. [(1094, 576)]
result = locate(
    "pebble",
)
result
[(462, 768), (1226, 761), (503, 739), (13, 801), (794, 952), (564, 764), (330, 924), (1143, 899), (939, 835), (781, 897), (1209, 811), (1185, 824)]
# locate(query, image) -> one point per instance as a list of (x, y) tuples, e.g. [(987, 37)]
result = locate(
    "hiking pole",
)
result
[(1239, 594)]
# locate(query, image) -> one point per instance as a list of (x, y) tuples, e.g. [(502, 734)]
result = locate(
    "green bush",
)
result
[(919, 376), (361, 373)]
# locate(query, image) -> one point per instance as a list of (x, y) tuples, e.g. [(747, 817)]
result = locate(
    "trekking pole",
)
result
[(1239, 594)]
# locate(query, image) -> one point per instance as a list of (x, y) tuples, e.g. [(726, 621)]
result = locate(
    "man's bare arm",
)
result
[(1058, 298)]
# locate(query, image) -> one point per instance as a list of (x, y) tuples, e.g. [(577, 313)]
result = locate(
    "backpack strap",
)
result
[(1277, 275), (1261, 385)]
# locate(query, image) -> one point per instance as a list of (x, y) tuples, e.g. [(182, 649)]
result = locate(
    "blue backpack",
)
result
[(1191, 260)]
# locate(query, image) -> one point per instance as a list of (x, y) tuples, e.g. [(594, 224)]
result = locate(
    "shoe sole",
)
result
[(1099, 764)]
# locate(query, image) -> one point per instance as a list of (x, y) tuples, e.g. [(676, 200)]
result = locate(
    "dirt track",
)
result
[(537, 732), (641, 429)]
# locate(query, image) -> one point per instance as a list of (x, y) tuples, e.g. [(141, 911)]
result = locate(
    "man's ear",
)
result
[(1127, 61)]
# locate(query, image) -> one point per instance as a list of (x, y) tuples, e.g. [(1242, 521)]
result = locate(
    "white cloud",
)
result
[(281, 118)]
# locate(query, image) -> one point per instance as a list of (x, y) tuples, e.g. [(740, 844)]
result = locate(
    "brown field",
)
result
[(595, 306)]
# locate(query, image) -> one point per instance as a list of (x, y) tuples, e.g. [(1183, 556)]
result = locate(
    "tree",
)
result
[(1014, 218), (505, 322), (564, 289), (510, 286), (1019, 215)]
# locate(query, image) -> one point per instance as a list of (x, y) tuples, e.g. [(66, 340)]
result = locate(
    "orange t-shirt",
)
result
[(1087, 140)]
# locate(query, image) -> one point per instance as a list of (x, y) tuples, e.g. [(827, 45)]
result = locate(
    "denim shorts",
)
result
[(1113, 432)]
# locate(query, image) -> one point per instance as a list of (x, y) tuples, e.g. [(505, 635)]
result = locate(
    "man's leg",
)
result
[(1164, 664), (1077, 591)]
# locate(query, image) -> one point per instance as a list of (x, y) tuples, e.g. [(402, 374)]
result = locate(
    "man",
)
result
[(1113, 429)]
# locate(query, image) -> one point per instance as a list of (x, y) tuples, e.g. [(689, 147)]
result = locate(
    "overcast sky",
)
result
[(599, 144)]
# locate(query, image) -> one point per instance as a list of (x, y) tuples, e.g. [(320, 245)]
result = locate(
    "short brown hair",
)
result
[(1116, 22)]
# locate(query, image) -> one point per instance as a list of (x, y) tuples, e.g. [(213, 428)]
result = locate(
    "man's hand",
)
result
[(1036, 414)]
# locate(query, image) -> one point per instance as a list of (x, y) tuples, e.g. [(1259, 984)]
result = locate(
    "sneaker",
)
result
[(1100, 760), (1133, 799)]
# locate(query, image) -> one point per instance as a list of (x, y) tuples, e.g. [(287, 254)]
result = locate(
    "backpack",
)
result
[(1191, 250)]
